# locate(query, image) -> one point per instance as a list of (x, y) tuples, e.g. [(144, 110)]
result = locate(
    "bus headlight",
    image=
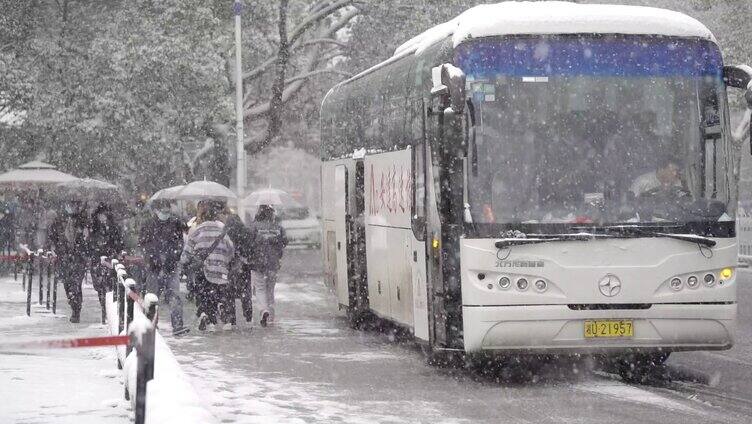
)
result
[(505, 282), (675, 284), (541, 285), (692, 282), (522, 284), (726, 273), (709, 280)]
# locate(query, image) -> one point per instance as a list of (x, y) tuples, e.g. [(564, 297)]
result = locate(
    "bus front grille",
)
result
[(607, 306)]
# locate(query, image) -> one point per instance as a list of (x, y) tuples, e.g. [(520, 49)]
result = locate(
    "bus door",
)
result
[(434, 273), (356, 255), (341, 219), (421, 322)]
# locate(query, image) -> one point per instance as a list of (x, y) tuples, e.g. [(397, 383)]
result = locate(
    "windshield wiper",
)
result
[(617, 231), (636, 231), (542, 238)]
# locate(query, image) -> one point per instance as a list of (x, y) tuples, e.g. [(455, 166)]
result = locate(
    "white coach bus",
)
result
[(540, 177)]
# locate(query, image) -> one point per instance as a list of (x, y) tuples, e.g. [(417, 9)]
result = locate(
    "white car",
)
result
[(301, 227)]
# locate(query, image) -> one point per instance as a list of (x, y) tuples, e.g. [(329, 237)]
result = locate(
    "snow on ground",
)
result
[(62, 385), (310, 367), (244, 376)]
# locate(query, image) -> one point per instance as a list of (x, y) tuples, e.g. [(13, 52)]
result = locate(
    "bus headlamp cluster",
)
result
[(522, 283), (505, 282), (708, 279)]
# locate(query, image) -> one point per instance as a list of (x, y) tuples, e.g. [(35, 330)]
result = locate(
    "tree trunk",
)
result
[(283, 57), (220, 164)]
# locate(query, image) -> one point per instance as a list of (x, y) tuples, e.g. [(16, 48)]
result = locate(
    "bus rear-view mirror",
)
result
[(449, 84), (740, 76)]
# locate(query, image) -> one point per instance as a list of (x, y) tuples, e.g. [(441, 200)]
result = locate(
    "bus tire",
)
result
[(358, 319), (640, 368), (442, 358)]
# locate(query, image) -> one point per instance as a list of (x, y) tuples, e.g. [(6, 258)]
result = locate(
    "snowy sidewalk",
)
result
[(60, 385)]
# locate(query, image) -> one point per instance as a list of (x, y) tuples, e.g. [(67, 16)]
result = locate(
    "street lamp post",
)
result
[(240, 165)]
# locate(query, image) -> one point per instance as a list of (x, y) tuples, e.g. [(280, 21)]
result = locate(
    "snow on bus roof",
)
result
[(557, 17)]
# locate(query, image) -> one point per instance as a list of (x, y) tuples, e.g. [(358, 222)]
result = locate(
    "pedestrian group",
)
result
[(220, 258)]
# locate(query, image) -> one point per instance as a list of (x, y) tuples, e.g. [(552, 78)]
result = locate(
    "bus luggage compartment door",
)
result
[(340, 226)]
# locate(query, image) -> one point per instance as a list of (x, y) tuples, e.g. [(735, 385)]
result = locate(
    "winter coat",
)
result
[(105, 239), (161, 242), (68, 236), (269, 245), (241, 235), (217, 264)]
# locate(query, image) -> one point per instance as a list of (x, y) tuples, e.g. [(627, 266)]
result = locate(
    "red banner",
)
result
[(12, 258), (69, 343)]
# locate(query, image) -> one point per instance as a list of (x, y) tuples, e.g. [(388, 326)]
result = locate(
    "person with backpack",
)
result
[(269, 246), (161, 239), (207, 254), (105, 239)]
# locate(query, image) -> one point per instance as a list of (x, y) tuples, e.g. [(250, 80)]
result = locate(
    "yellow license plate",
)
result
[(609, 328)]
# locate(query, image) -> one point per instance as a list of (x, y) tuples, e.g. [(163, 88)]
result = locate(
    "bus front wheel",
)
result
[(642, 367)]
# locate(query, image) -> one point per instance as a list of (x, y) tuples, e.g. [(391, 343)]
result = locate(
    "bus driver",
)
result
[(667, 175)]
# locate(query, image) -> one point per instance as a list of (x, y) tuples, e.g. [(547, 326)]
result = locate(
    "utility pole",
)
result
[(240, 165)]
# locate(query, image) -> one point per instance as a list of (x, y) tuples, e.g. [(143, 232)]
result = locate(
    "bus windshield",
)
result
[(597, 129)]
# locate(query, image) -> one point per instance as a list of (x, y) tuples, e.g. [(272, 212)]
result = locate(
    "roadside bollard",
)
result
[(130, 290), (49, 258), (143, 338), (40, 261), (23, 272), (15, 265), (114, 279), (151, 304), (121, 274), (29, 285)]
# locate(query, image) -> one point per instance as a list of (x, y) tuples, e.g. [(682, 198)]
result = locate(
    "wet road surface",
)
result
[(310, 367)]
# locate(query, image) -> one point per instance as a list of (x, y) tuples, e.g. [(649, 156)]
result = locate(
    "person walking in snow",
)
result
[(161, 239), (269, 246), (105, 239), (208, 251), (240, 273), (69, 239)]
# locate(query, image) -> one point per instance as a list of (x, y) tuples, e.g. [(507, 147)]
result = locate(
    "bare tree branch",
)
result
[(323, 41), (263, 108), (255, 72), (315, 18), (310, 74)]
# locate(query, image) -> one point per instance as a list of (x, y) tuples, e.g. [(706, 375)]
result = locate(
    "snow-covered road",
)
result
[(76, 386), (311, 367)]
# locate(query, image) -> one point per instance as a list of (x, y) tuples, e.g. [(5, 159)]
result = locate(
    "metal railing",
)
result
[(44, 263), (137, 317)]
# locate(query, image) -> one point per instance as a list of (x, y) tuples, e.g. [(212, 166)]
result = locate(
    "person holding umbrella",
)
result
[(208, 252), (269, 246), (161, 240), (105, 239), (68, 238)]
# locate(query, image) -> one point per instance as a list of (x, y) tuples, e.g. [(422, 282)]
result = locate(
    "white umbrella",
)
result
[(90, 190), (205, 190), (168, 193), (271, 196), (34, 174)]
